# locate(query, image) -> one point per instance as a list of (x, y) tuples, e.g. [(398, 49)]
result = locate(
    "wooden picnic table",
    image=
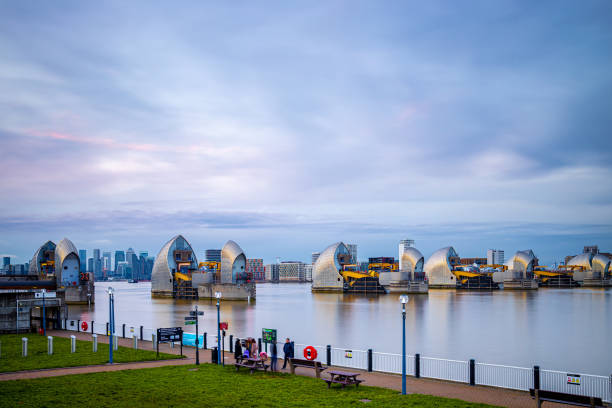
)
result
[(342, 377), (252, 364)]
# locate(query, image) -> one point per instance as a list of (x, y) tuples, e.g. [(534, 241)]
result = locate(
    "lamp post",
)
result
[(44, 320), (111, 324), (403, 299), (218, 296)]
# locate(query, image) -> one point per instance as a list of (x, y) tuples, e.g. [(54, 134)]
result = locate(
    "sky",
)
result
[(288, 126)]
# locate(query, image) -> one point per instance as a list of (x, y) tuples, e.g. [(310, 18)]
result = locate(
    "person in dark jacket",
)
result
[(273, 356), (237, 350), (287, 350)]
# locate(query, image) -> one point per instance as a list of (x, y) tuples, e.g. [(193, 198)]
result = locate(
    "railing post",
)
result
[(259, 344), (204, 341), (123, 328), (92, 330), (328, 355), (78, 326), (231, 343), (536, 377), (417, 365), (472, 372), (107, 333), (370, 360), (141, 333)]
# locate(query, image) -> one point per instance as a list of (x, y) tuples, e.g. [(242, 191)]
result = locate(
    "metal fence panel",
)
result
[(391, 363), (590, 385), (349, 358), (516, 378), (442, 369), (299, 352)]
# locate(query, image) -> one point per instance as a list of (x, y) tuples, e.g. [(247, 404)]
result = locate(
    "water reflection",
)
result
[(564, 329)]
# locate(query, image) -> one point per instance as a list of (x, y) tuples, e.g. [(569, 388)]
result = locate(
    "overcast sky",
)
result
[(288, 126)]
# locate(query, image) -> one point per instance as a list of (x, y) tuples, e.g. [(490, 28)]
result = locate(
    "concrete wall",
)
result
[(229, 291)]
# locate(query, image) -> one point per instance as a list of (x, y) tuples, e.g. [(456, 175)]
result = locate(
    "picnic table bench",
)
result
[(251, 363), (561, 398), (342, 377), (316, 365)]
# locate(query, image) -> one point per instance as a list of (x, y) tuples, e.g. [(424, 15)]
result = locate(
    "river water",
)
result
[(559, 329)]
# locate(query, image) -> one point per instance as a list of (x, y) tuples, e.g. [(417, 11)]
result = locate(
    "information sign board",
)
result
[(573, 379), (268, 335), (169, 334)]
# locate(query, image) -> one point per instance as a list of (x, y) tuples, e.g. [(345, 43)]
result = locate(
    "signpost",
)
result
[(193, 319), (170, 334), (268, 336)]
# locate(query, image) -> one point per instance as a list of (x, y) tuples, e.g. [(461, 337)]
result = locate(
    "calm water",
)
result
[(563, 329)]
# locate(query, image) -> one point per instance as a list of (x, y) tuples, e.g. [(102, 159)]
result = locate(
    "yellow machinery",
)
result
[(209, 265), (360, 281), (560, 277)]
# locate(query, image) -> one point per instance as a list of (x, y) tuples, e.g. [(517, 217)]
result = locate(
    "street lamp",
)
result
[(403, 299), (111, 322), (44, 314), (218, 296)]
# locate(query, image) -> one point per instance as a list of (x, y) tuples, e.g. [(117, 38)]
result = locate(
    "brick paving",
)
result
[(482, 394)]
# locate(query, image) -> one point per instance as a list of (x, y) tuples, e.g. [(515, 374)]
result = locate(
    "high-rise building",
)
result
[(271, 272), (353, 252), (106, 263), (591, 249), (119, 257), (6, 261), (90, 263), (495, 257), (308, 273), (405, 243), (315, 256), (213, 255), (83, 259), (255, 268), (291, 271), (97, 264)]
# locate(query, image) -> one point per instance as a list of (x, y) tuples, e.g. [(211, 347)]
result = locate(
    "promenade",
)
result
[(481, 394)]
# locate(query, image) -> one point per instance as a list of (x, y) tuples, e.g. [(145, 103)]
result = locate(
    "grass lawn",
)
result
[(204, 386), (11, 359)]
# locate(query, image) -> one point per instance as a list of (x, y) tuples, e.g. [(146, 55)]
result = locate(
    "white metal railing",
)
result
[(453, 370), (494, 375)]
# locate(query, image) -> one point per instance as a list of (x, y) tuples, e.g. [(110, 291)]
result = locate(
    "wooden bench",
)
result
[(316, 365), (343, 378), (251, 363), (561, 398)]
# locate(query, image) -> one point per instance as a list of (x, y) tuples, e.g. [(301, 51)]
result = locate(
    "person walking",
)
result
[(273, 357), (287, 352), (237, 350)]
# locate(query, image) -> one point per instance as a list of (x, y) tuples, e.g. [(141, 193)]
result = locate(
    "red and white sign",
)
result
[(223, 326)]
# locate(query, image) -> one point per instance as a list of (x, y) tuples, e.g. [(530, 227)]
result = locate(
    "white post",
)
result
[(95, 342), (49, 345), (153, 340), (116, 342), (24, 346), (135, 342), (73, 344)]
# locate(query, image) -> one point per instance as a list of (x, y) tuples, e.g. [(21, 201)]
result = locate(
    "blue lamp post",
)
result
[(218, 296), (44, 319), (404, 300), (111, 322)]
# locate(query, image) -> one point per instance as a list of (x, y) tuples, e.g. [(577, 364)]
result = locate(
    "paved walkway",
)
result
[(482, 394)]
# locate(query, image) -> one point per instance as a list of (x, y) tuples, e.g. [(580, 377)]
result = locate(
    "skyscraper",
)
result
[(106, 263), (83, 259), (6, 261), (213, 255), (90, 267), (495, 257), (97, 264), (353, 252), (119, 257)]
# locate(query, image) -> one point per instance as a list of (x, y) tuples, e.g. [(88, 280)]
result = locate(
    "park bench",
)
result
[(343, 378), (561, 398), (316, 365), (252, 364)]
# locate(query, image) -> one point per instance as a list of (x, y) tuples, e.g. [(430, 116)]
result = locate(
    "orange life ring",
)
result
[(310, 353)]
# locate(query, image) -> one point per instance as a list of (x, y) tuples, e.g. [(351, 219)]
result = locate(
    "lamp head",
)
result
[(403, 299), (110, 290), (218, 295)]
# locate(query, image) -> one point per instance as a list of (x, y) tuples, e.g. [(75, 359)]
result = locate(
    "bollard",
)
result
[(231, 343), (205, 341), (472, 372), (123, 328), (135, 339), (24, 347), (417, 365), (328, 355), (259, 344), (370, 360), (92, 323), (153, 340), (171, 344), (141, 333), (73, 344), (78, 326), (49, 345), (116, 342), (536, 377), (95, 342)]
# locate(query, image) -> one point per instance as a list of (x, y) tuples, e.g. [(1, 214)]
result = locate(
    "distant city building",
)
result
[(271, 272), (6, 261), (308, 273), (106, 263), (83, 260), (145, 265), (405, 243), (592, 249), (315, 256), (90, 263), (143, 254), (213, 255), (291, 271), (97, 265), (353, 252), (119, 257), (495, 257), (472, 261), (255, 267), (128, 256)]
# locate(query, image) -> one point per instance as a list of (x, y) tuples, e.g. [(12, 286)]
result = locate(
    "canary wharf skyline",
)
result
[(286, 127)]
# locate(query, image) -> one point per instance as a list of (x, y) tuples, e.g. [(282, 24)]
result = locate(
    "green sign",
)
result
[(268, 335), (190, 322)]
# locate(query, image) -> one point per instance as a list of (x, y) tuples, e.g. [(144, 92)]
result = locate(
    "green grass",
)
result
[(204, 386), (11, 359)]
